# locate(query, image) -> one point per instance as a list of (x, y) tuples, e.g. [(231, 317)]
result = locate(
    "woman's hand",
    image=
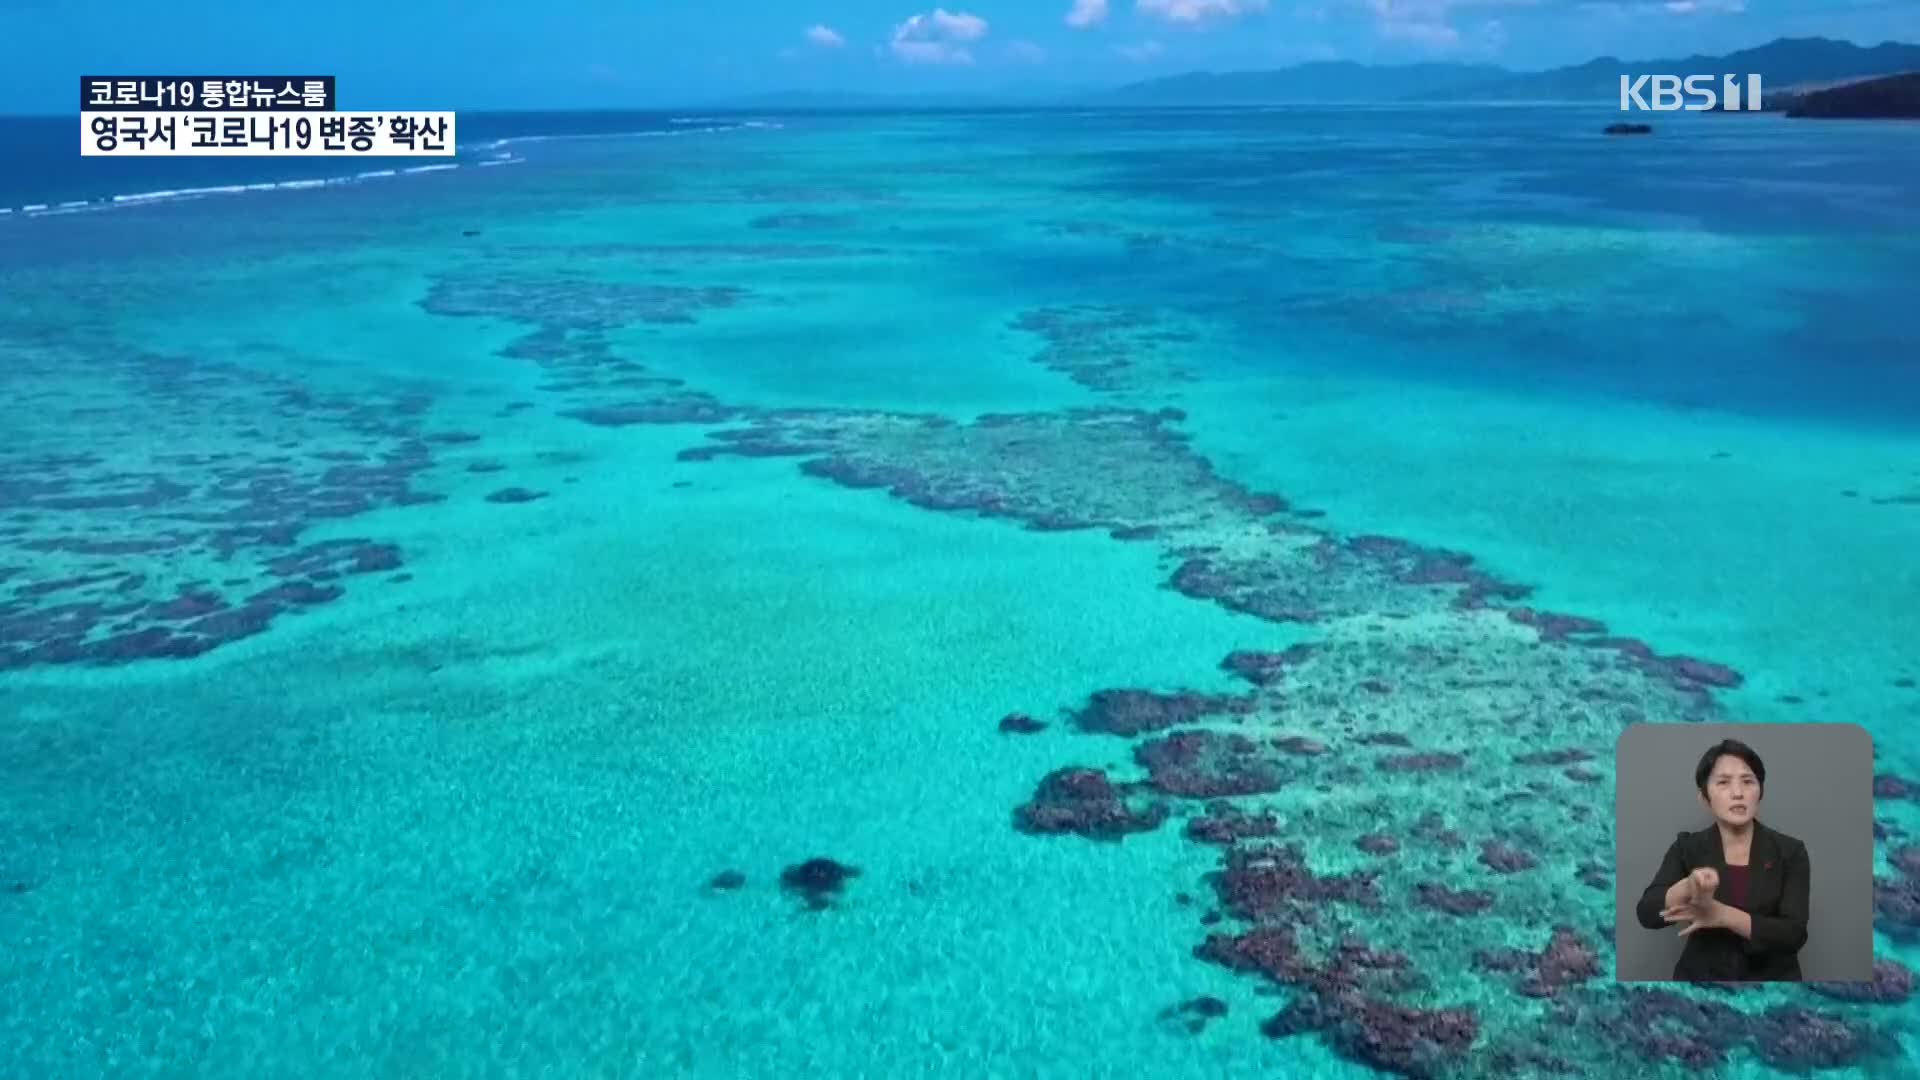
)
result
[(1693, 902), (1705, 881), (1693, 888)]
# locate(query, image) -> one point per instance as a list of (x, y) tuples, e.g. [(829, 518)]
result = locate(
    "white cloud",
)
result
[(1194, 11), (825, 36), (938, 37), (1146, 50), (1025, 52), (1626, 8), (1305, 53), (1087, 13), (1433, 35), (1428, 22)]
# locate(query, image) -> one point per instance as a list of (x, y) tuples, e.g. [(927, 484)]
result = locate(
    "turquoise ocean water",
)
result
[(441, 616)]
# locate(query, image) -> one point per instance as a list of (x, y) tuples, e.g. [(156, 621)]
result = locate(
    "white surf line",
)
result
[(500, 158)]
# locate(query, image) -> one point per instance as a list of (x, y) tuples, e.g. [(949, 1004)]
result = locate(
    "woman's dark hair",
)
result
[(1729, 748)]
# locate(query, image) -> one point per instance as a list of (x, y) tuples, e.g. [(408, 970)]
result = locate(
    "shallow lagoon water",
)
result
[(386, 680)]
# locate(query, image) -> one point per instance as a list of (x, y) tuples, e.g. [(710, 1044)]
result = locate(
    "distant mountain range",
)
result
[(804, 100), (1890, 96), (1321, 81), (1781, 63), (1785, 62)]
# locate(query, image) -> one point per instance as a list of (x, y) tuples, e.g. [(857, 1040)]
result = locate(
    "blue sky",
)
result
[(395, 54)]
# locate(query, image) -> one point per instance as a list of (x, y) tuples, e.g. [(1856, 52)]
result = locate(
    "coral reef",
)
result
[(818, 881), (184, 534), (1084, 801)]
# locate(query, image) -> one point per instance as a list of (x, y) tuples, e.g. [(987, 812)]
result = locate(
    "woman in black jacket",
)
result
[(1738, 888)]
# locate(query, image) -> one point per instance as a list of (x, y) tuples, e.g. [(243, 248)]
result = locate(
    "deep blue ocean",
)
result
[(40, 161)]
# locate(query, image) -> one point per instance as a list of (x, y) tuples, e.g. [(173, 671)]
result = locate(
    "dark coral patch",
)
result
[(1799, 1039), (75, 545), (727, 880), (1101, 348), (1686, 672), (1384, 738), (42, 588), (1566, 756), (188, 604), (1555, 627), (1207, 765), (1302, 1016), (671, 409), (1890, 786), (1890, 984), (1271, 950), (1655, 1026), (1355, 966), (818, 881), (348, 556), (572, 304), (231, 624), (297, 592), (1244, 589), (1705, 672), (1224, 823), (157, 493), (800, 220), (1300, 745), (24, 624), (1432, 828), (152, 643), (1504, 959), (1432, 894), (1411, 564), (1265, 668), (1273, 879), (1377, 843), (1084, 801), (515, 495), (1424, 762), (1906, 859), (1020, 724), (1397, 1039), (1564, 961), (1505, 859), (1193, 1015), (1133, 712), (1896, 907)]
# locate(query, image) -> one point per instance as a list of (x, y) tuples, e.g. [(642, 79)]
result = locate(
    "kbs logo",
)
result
[(1694, 93)]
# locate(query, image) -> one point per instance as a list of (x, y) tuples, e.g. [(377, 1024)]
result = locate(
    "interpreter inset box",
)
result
[(1744, 852)]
